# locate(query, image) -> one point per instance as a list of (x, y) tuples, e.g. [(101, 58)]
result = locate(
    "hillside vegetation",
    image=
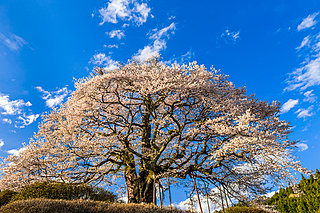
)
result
[(303, 197), (62, 191)]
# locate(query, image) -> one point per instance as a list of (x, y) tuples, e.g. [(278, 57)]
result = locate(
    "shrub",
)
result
[(6, 196), (244, 209), (80, 206), (63, 191)]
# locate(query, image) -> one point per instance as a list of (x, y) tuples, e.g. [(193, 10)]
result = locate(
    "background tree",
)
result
[(304, 198), (148, 121)]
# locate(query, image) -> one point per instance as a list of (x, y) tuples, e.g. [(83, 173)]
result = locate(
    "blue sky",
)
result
[(271, 47)]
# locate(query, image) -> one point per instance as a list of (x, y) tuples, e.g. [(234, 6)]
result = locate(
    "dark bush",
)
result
[(6, 196), (63, 191), (80, 206)]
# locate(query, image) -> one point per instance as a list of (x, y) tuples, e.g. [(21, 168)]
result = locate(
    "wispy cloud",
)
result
[(116, 33), (286, 107), (230, 36), (305, 42), (305, 76), (193, 204), (16, 107), (302, 146), (104, 61), (309, 96), (7, 120), (304, 113), (12, 41), (125, 10), (26, 120), (187, 57), (163, 33), (53, 98), (308, 73), (308, 22), (112, 46), (15, 152), (159, 42), (1, 143), (181, 59), (12, 107)]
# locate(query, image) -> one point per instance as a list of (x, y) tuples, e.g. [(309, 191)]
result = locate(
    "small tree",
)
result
[(146, 121)]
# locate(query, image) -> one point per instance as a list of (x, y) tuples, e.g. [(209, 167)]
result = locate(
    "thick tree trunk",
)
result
[(141, 187), (130, 178), (145, 181), (145, 186), (130, 175)]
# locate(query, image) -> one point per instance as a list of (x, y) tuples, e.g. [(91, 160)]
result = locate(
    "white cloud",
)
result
[(126, 10), (184, 58), (112, 46), (214, 198), (12, 41), (164, 32), (305, 42), (187, 57), (140, 13), (308, 22), (16, 152), (309, 96), (150, 50), (305, 76), (116, 9), (26, 120), (99, 59), (193, 204), (302, 147), (7, 120), (106, 62), (1, 143), (270, 194), (116, 33), (53, 98), (304, 113), (123, 199), (159, 43), (230, 36), (12, 107), (308, 74), (286, 107)]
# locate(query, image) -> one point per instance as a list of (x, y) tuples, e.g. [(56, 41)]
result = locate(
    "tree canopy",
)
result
[(143, 122)]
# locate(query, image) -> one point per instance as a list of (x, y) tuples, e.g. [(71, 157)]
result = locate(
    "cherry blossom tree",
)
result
[(144, 122)]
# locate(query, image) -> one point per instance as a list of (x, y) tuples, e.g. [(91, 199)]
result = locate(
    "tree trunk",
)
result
[(140, 188), (145, 181), (145, 186), (130, 179), (130, 175)]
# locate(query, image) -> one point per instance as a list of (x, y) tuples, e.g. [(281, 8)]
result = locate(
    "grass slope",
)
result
[(80, 206)]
